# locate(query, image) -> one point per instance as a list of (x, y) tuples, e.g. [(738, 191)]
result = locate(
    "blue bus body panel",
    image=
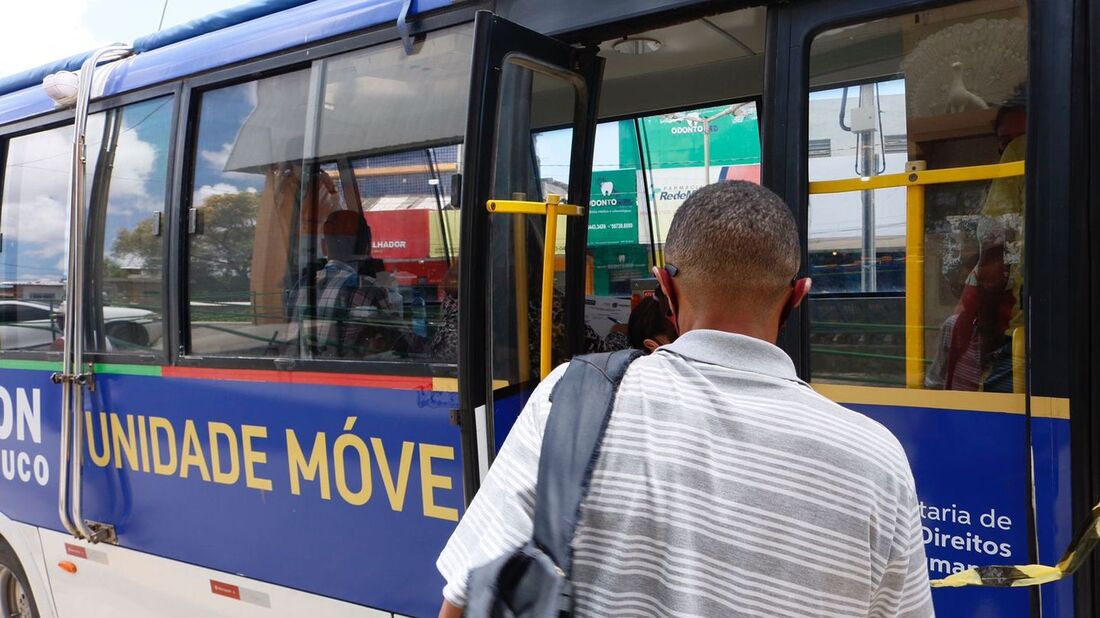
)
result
[(1054, 504), (286, 29), (977, 462), (23, 104), (380, 553)]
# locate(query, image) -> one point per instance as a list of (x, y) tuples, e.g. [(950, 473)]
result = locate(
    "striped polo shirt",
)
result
[(725, 486)]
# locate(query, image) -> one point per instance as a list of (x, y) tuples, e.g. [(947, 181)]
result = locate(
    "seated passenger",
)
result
[(334, 310)]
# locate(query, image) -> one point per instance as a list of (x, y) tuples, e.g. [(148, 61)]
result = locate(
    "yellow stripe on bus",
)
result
[(1004, 403), (450, 385)]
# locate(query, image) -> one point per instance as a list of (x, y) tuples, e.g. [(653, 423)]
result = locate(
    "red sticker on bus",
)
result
[(76, 550), (225, 590)]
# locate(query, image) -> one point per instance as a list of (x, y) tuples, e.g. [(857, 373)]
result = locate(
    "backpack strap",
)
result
[(582, 402)]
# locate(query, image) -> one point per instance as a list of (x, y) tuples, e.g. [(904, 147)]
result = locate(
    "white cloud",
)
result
[(207, 191), (133, 162), (42, 219), (218, 160), (41, 31)]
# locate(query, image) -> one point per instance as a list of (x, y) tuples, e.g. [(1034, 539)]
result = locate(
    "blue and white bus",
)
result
[(260, 335)]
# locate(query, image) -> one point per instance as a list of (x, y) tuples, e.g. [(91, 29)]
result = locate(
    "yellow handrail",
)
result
[(920, 177), (551, 208), (523, 334), (914, 281)]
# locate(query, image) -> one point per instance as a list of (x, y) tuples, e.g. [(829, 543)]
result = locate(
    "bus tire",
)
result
[(16, 597)]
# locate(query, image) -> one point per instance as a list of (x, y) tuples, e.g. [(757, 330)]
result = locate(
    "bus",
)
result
[(261, 335)]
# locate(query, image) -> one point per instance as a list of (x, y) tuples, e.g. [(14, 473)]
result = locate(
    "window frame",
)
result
[(1054, 225), (791, 32), (60, 118), (192, 89), (159, 355)]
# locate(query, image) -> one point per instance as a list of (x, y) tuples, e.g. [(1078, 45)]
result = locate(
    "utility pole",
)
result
[(864, 125)]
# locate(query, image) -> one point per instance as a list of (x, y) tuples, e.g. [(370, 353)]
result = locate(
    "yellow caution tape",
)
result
[(1030, 574)]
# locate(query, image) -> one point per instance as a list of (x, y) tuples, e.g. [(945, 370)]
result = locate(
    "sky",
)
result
[(35, 32)]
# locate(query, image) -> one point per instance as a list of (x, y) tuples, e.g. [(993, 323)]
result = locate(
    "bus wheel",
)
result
[(16, 600)]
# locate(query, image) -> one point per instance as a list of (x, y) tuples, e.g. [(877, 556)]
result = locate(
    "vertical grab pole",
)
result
[(523, 336), (546, 314), (73, 377), (914, 279)]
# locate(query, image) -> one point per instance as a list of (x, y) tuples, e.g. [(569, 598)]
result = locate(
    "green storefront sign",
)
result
[(677, 139), (613, 208)]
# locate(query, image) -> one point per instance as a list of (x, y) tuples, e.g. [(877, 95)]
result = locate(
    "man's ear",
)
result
[(800, 288), (664, 279), (650, 345), (801, 291)]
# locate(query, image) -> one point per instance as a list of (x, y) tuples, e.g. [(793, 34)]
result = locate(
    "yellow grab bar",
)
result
[(920, 177), (914, 281), (551, 208), (1019, 352)]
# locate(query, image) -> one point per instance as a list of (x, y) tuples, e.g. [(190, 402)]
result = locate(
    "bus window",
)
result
[(324, 225), (128, 162), (33, 221), (246, 197), (916, 211)]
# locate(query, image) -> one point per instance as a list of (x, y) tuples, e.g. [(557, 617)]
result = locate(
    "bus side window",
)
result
[(33, 254), (918, 277), (330, 234), (127, 167), (247, 195)]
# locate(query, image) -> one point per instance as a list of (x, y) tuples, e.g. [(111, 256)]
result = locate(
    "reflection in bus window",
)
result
[(128, 163), (331, 236), (33, 221), (920, 283)]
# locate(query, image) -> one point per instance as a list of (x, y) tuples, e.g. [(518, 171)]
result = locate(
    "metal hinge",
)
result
[(102, 533), (85, 378)]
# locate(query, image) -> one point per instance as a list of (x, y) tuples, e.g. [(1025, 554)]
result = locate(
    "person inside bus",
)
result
[(649, 326), (342, 301), (443, 343), (720, 470), (975, 342)]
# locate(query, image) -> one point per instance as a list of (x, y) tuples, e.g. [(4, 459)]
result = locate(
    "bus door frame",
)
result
[(1054, 352), (495, 41)]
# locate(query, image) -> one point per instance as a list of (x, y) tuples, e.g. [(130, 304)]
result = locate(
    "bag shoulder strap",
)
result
[(581, 407)]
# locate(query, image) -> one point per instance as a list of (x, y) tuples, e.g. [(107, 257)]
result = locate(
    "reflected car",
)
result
[(31, 325)]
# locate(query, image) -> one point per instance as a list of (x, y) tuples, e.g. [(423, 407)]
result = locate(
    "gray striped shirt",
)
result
[(725, 486)]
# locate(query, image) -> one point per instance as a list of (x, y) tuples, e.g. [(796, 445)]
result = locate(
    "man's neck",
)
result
[(732, 321)]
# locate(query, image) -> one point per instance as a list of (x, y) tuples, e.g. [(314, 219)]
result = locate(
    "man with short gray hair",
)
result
[(724, 486)]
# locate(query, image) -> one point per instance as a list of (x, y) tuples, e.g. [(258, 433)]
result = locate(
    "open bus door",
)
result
[(521, 82)]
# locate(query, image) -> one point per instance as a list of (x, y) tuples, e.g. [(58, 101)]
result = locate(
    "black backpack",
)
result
[(533, 580)]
